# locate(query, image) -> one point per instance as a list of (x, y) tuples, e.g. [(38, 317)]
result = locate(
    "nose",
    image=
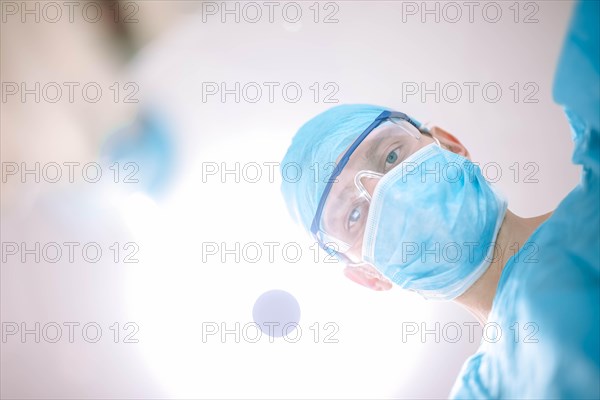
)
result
[(369, 183)]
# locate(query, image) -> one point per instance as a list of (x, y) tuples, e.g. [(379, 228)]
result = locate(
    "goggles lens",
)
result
[(345, 211)]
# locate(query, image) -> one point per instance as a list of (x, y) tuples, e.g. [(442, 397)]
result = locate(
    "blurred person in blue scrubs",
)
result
[(404, 205)]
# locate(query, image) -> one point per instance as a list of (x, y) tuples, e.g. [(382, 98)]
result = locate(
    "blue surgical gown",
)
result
[(543, 336)]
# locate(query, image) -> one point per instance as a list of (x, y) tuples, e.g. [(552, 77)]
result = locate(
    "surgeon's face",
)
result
[(347, 212), (347, 206)]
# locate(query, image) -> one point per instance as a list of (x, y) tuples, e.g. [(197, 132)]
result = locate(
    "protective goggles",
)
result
[(341, 214)]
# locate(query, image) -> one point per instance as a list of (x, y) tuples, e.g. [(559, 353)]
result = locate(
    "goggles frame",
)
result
[(315, 226)]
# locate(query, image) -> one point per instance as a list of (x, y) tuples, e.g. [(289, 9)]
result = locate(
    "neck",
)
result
[(513, 234)]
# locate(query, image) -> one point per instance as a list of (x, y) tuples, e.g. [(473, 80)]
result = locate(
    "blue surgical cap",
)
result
[(318, 144)]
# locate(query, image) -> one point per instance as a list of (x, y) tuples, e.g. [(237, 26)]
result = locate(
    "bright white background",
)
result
[(368, 54)]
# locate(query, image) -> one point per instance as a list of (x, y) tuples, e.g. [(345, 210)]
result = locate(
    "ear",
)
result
[(449, 142), (366, 275)]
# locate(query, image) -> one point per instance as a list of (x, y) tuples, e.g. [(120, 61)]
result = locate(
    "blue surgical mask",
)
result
[(432, 223)]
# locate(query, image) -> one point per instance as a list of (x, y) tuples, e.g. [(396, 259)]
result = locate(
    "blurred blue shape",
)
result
[(144, 152), (553, 297)]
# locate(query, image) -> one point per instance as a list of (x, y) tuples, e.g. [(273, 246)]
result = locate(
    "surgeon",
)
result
[(402, 205)]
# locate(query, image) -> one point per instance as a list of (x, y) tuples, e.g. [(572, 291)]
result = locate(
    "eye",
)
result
[(354, 217), (392, 157)]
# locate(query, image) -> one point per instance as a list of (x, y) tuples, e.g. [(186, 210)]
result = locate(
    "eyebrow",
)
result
[(348, 188), (335, 211), (374, 149)]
